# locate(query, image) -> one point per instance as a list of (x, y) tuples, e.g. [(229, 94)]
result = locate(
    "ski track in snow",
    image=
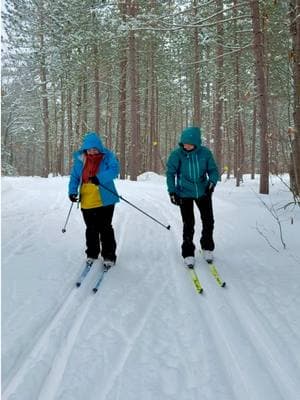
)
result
[(272, 359), (247, 358), (39, 352), (55, 375), (56, 332), (77, 305), (232, 327), (212, 319), (52, 382), (25, 237), (138, 329), (200, 318)]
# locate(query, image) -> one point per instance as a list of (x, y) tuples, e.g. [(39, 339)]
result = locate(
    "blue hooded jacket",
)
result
[(108, 171), (189, 172)]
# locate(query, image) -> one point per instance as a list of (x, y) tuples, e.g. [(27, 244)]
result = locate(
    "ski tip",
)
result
[(78, 284)]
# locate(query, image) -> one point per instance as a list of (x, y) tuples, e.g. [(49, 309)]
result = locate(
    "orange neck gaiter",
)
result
[(91, 166)]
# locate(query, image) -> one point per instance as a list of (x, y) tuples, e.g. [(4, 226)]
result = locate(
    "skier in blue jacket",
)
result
[(94, 166), (192, 175)]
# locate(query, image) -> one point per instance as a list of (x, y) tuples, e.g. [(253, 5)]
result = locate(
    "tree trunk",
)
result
[(108, 119), (70, 126), (262, 97), (274, 123), (253, 143), (218, 134), (240, 142), (227, 140), (84, 120), (122, 98), (238, 126), (197, 97), (157, 153), (55, 148), (97, 89), (134, 99), (146, 140), (61, 166), (43, 78), (295, 137), (78, 122), (153, 135)]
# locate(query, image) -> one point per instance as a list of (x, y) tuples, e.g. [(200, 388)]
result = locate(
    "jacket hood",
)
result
[(90, 140), (191, 135)]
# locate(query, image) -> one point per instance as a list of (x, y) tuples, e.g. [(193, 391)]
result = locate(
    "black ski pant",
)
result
[(99, 229), (204, 205)]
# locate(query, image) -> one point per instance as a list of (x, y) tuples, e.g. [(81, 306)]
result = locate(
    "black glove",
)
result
[(94, 180), (209, 189), (73, 198), (175, 199)]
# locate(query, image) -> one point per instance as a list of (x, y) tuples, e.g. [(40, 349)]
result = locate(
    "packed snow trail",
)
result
[(147, 334)]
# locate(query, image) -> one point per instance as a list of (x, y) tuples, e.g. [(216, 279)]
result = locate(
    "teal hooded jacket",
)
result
[(108, 170), (190, 172)]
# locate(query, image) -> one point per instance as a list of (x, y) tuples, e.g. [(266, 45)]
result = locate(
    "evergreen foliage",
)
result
[(61, 73)]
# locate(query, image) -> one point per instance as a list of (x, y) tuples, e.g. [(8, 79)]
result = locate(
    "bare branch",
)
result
[(266, 239)]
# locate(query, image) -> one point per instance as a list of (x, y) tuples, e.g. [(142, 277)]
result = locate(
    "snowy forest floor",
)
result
[(147, 334)]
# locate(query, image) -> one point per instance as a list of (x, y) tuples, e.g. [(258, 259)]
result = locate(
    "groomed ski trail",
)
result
[(147, 333), (271, 360), (54, 344), (54, 377)]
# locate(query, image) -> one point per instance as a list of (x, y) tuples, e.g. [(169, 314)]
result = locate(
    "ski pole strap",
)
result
[(134, 206)]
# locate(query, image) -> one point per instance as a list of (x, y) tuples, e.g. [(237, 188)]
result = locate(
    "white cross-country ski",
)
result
[(106, 268), (87, 268)]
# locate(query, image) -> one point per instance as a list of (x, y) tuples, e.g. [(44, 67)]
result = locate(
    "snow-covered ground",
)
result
[(147, 334)]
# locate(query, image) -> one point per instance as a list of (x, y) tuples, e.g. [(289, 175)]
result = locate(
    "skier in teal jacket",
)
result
[(192, 175)]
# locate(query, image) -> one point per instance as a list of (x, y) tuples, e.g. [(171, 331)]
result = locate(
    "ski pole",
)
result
[(64, 228), (137, 208)]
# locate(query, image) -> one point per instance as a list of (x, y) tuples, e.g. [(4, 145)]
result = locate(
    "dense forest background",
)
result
[(138, 72)]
